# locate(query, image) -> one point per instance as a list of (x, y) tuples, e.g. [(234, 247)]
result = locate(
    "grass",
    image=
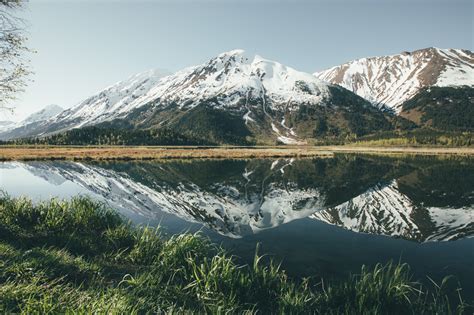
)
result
[(78, 256), (8, 153), (25, 153)]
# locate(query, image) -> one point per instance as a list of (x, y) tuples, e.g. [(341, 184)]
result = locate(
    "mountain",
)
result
[(109, 103), (112, 102), (6, 125), (11, 130), (241, 98), (442, 108), (389, 81), (44, 114), (233, 98)]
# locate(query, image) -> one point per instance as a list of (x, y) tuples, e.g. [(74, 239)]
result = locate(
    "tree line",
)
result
[(105, 136)]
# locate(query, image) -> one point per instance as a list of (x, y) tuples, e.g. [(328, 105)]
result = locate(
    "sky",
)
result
[(84, 46)]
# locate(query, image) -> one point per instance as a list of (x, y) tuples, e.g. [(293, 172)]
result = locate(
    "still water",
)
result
[(320, 217)]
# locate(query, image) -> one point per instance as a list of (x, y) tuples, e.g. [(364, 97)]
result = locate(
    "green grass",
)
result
[(78, 256)]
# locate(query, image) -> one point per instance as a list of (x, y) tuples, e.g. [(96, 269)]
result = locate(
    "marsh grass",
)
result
[(126, 153), (78, 256)]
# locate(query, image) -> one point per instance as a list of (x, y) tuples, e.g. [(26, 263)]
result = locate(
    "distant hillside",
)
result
[(105, 136), (442, 108), (23, 128)]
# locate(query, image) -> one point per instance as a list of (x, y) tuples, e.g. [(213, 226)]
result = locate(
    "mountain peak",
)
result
[(255, 96), (52, 107), (238, 73), (388, 81), (233, 52)]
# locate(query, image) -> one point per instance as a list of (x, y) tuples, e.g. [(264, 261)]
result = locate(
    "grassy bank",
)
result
[(25, 153), (78, 256), (150, 153)]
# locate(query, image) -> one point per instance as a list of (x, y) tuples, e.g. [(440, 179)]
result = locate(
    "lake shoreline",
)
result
[(26, 153), (91, 260)]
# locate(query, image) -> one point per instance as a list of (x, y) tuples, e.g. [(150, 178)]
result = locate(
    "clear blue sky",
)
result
[(83, 46)]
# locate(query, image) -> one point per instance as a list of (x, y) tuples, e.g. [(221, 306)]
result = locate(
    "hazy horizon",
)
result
[(84, 46)]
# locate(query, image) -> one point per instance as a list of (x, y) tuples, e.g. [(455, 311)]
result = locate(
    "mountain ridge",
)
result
[(388, 81), (242, 98), (234, 98), (47, 112), (31, 120)]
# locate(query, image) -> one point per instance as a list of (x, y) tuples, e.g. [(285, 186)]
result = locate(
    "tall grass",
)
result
[(78, 256)]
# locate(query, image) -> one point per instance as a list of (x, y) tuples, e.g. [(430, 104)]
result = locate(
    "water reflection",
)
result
[(418, 199)]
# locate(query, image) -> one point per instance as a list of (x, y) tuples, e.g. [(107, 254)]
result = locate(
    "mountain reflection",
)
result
[(413, 198)]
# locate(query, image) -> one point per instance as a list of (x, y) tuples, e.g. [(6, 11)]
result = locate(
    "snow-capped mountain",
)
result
[(388, 81), (112, 102), (6, 125), (44, 114), (234, 75), (257, 96), (106, 104), (241, 83), (385, 210), (30, 122)]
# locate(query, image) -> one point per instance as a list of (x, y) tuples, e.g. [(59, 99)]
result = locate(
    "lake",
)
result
[(320, 217)]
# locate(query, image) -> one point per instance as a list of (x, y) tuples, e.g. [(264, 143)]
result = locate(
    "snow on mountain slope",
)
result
[(229, 81), (6, 125), (384, 210), (41, 115), (112, 102), (234, 80), (388, 81), (46, 113), (236, 74)]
